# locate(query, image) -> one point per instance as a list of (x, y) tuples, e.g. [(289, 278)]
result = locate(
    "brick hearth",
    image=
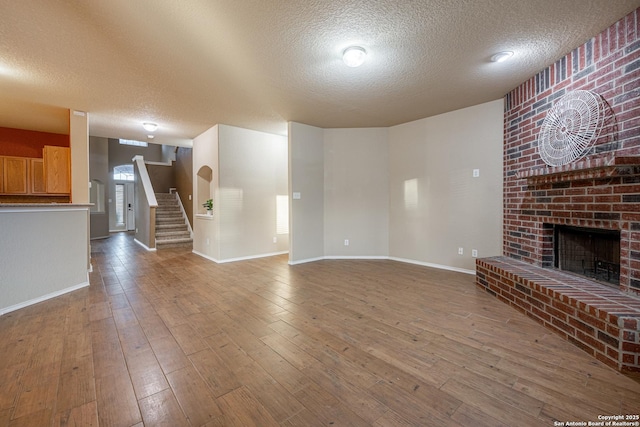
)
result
[(601, 320)]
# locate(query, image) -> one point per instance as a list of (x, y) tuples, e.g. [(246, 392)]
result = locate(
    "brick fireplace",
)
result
[(599, 192)]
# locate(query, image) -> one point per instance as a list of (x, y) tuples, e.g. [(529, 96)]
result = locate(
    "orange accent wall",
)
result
[(28, 143)]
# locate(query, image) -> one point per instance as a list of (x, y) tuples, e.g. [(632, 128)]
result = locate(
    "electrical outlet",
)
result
[(460, 251), (346, 242), (207, 241), (476, 173), (474, 253), (275, 240)]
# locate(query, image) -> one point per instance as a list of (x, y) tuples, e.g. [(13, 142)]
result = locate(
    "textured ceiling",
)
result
[(188, 65)]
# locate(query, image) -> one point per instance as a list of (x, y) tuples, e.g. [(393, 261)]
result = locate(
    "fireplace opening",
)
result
[(590, 252)]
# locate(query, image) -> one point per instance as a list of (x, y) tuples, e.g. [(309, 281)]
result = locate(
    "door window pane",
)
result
[(120, 204), (123, 173)]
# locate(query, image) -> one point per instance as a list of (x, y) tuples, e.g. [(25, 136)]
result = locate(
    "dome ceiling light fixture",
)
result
[(150, 127), (354, 56), (502, 56)]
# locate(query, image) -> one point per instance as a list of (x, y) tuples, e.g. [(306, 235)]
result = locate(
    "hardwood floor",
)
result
[(172, 339)]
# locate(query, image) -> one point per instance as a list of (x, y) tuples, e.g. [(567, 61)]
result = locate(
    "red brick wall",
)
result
[(609, 65)]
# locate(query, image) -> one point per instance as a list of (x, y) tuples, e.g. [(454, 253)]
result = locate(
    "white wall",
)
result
[(405, 192), (205, 229), (437, 206), (252, 172), (306, 178), (43, 253), (356, 192), (249, 171)]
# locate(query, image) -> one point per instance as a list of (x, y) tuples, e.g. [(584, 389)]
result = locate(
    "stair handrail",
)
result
[(146, 181)]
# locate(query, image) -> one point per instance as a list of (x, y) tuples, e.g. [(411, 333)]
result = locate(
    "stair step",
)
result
[(175, 243), (161, 232), (169, 220), (183, 240), (171, 227), (168, 214), (168, 235)]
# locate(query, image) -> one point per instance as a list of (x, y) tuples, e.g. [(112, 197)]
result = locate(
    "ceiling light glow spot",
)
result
[(149, 127), (354, 56), (502, 56)]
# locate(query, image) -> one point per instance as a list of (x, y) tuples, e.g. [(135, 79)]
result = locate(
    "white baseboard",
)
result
[(223, 261), (304, 261), (144, 246), (356, 257), (24, 304), (438, 266), (407, 261), (205, 256), (100, 237)]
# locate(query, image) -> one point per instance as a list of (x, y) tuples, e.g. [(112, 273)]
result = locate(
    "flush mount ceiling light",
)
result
[(149, 127), (354, 56), (150, 136), (502, 56)]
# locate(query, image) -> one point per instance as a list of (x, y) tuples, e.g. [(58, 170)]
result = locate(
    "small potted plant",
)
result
[(208, 205)]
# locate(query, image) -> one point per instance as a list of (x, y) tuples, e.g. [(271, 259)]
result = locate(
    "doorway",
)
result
[(125, 216)]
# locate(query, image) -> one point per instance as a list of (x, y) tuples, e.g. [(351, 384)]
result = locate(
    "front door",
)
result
[(125, 216)]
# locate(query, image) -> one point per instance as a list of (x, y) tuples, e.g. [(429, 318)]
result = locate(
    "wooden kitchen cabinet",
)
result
[(43, 177), (15, 175), (37, 176), (57, 169)]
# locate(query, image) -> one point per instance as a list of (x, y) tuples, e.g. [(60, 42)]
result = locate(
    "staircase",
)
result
[(171, 226)]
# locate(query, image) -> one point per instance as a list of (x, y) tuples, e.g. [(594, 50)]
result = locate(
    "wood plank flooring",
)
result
[(172, 339)]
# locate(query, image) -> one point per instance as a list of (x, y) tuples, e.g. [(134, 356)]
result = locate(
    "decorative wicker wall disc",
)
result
[(571, 127)]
